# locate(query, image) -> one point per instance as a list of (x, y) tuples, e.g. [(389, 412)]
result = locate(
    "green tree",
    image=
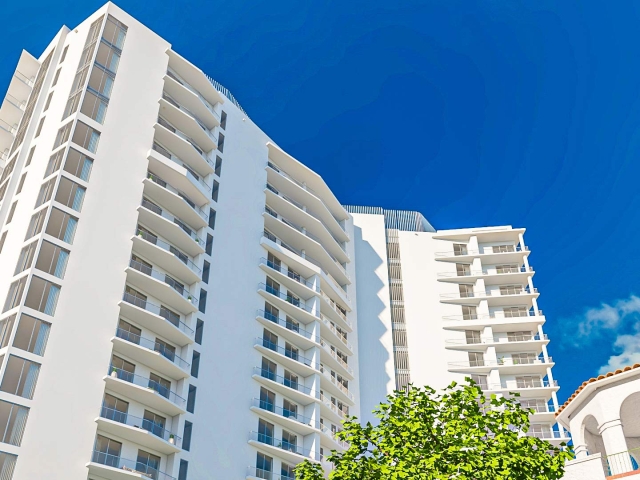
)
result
[(457, 434)]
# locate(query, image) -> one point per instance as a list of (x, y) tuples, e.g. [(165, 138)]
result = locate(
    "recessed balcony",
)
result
[(281, 448), (288, 358), (289, 304), (173, 229), (179, 174), (186, 122), (187, 96), (183, 147), (330, 332), (290, 419), (144, 390), (150, 353), (542, 413), (162, 286), (331, 385), (163, 193), (293, 332), (11, 110), (113, 467), (141, 431), (294, 390), (156, 318), (166, 256), (491, 276)]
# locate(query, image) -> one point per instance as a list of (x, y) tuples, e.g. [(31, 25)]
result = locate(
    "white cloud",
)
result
[(629, 347), (607, 317)]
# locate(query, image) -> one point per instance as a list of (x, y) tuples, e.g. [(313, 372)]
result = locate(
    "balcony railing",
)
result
[(153, 346), (498, 340), (24, 79), (292, 354), (193, 176), (158, 310), (284, 412), (127, 465), (479, 273), (15, 102), (341, 313), (164, 278), (623, 462), (491, 293), (141, 381), (328, 323), (327, 431), (177, 104), (287, 382), (483, 251), (267, 474), (493, 316), (185, 84), (283, 444), (185, 137), (546, 408), (334, 354), (281, 172), (546, 435), (158, 181), (327, 401), (8, 128), (294, 327), (183, 257), (289, 273), (145, 424), (287, 297), (340, 386), (526, 384), (164, 214), (508, 362)]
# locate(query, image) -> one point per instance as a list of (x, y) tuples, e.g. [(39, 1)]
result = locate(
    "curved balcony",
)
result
[(12, 110), (537, 388), (292, 234), (495, 276), (292, 420), (489, 255), (331, 359), (180, 90), (303, 195), (502, 344), (498, 324), (150, 353), (20, 87), (181, 175), (296, 391), (171, 228), (156, 318), (161, 286), (288, 330), (290, 359), (334, 441), (333, 311), (290, 452), (138, 430), (179, 203), (331, 411), (314, 226), (287, 303), (113, 467), (7, 134), (495, 298), (542, 413), (166, 256), (183, 147), (290, 279), (254, 473), (193, 78), (506, 365), (185, 121), (144, 390), (331, 384), (329, 331)]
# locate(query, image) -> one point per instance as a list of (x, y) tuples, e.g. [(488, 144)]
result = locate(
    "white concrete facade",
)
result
[(605, 426)]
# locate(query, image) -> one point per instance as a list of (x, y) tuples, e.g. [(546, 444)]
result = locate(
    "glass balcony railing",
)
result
[(161, 310), (186, 138), (334, 408), (146, 382), (284, 412), (24, 79), (131, 466), (288, 297), (164, 278), (335, 355), (164, 214), (145, 424), (15, 102), (283, 444), (294, 327), (498, 315), (183, 257), (332, 327), (185, 84), (193, 176), (152, 346), (328, 432), (340, 386), (180, 107), (158, 181), (289, 273), (337, 308), (267, 474), (289, 353), (287, 382)]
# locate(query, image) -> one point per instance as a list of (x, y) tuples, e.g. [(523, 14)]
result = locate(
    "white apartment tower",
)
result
[(180, 296)]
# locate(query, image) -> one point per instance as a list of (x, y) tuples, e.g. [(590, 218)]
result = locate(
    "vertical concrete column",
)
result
[(580, 450), (615, 445)]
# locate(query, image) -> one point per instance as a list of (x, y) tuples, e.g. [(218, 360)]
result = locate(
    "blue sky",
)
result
[(475, 113)]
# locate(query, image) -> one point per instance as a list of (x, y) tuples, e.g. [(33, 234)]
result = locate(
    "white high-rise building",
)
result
[(180, 296)]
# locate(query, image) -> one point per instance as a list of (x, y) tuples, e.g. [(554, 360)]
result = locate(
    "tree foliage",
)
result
[(457, 434)]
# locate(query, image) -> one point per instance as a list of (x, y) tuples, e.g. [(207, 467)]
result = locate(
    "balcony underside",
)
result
[(183, 149), (160, 290), (177, 176), (187, 124), (171, 231), (174, 203), (136, 434), (146, 396), (165, 260), (150, 358), (155, 323), (191, 101)]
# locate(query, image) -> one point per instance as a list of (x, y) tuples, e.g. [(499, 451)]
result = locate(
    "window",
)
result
[(507, 269), (191, 399), (45, 193), (63, 135), (463, 269), (289, 441), (466, 291), (528, 382), (160, 385), (64, 54), (98, 93), (202, 303), (538, 405), (510, 289), (269, 340), (35, 224), (481, 381), (265, 432), (21, 183), (214, 191), (26, 258), (184, 467), (78, 164), (271, 313), (52, 259), (472, 337), (106, 451), (264, 466), (13, 419), (223, 120), (269, 369), (7, 465), (186, 435), (287, 471), (519, 336), (291, 351), (32, 334), (289, 409), (273, 287), (469, 313), (20, 377), (86, 137), (61, 225), (42, 296), (108, 57), (6, 327), (124, 369), (205, 271), (195, 364), (459, 249), (166, 350), (291, 379), (510, 312), (267, 399), (209, 244), (55, 161), (476, 359), (212, 219), (48, 102), (55, 78), (154, 423), (148, 463), (3, 237), (199, 331), (39, 129), (503, 248), (218, 166), (11, 212), (16, 289), (523, 358), (220, 142), (128, 332), (114, 408)]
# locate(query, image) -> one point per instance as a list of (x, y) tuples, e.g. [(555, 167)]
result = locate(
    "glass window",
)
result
[(202, 303), (70, 194), (191, 399), (55, 78), (209, 244), (6, 327), (61, 225), (212, 219), (160, 385), (154, 423), (106, 451), (35, 224), (215, 190), (46, 190), (264, 466), (205, 271), (13, 419), (26, 257), (3, 237), (184, 467), (267, 399), (21, 183), (63, 135), (94, 106), (78, 164), (114, 32), (220, 142), (48, 102), (54, 162), (186, 436), (223, 120), (199, 331), (20, 377), (108, 57), (42, 296), (86, 137), (218, 167), (16, 289), (265, 432), (39, 129), (52, 259), (195, 364), (32, 334), (114, 409)]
